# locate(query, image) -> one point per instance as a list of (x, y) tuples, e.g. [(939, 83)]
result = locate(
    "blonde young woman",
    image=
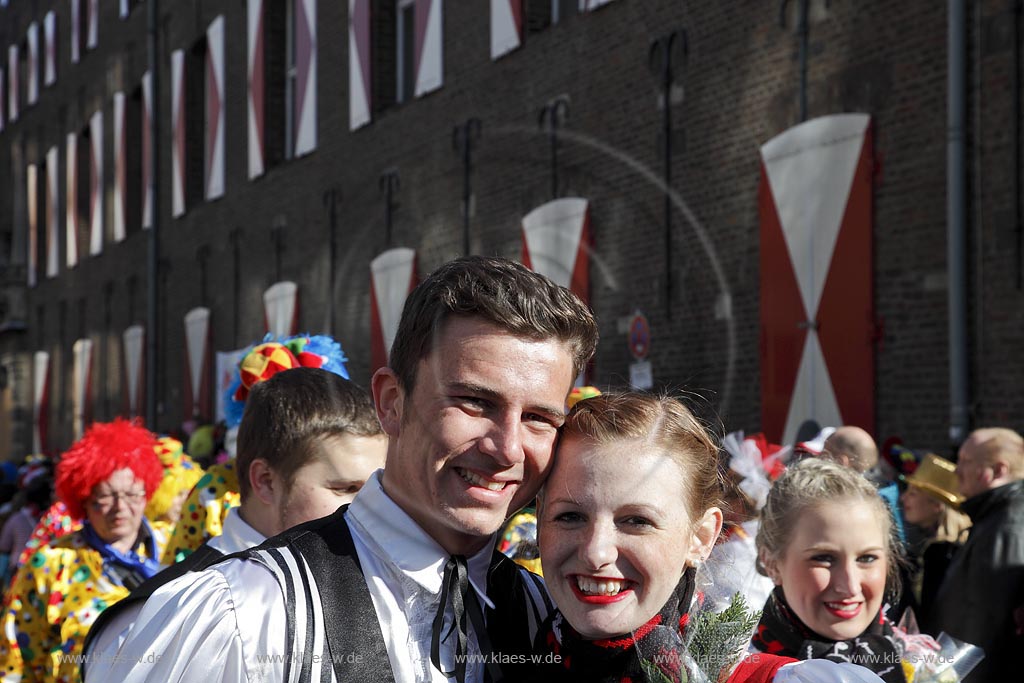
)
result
[(828, 543)]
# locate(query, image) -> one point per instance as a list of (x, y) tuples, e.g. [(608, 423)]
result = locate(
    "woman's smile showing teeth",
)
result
[(599, 586), (477, 480), (844, 610)]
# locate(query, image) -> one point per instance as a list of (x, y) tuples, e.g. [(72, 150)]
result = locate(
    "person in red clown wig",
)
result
[(105, 478)]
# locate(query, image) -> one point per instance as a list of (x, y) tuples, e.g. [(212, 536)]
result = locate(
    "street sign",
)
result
[(639, 336), (640, 375)]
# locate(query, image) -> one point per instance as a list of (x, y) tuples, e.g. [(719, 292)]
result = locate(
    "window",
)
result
[(83, 195), (384, 50), (405, 42), (79, 30), (195, 123), (407, 62), (541, 14), (288, 81), (290, 77), (133, 161), (51, 203), (32, 206), (277, 48)]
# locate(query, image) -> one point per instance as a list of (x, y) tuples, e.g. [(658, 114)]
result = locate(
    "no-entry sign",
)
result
[(639, 336)]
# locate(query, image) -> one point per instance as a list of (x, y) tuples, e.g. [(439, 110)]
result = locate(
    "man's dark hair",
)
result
[(499, 291), (288, 415)]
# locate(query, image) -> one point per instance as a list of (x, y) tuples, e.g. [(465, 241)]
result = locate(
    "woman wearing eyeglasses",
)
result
[(105, 478)]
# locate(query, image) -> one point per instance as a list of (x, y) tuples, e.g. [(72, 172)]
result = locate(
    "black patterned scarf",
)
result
[(780, 632), (651, 654)]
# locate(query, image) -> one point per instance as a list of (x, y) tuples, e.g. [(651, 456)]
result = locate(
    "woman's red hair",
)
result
[(106, 448)]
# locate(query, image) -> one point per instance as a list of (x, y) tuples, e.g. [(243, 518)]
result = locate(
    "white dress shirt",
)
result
[(228, 623), (236, 536)]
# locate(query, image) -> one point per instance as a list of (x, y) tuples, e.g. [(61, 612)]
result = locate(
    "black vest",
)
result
[(350, 620)]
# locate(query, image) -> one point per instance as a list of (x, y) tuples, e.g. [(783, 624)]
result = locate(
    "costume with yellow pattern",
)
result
[(202, 515), (54, 599)]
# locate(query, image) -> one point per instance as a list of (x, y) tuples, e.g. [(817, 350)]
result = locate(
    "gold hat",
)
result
[(937, 477)]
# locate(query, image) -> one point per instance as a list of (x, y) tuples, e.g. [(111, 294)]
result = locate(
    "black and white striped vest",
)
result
[(330, 609)]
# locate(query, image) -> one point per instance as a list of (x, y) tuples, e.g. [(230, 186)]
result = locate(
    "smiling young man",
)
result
[(403, 585)]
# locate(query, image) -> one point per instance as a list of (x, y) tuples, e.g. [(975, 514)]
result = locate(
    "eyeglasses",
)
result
[(106, 500)]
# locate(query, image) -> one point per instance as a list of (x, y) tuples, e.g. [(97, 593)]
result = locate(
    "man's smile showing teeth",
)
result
[(477, 480), (602, 586)]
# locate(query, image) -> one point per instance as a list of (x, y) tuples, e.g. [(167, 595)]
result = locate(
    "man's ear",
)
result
[(1000, 470), (705, 535), (388, 399), (264, 482)]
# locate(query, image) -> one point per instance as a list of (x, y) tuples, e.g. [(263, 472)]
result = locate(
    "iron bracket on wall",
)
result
[(463, 137)]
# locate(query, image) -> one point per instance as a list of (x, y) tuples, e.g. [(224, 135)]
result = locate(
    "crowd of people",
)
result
[(358, 535)]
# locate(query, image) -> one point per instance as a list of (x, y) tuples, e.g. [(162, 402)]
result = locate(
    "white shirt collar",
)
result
[(407, 545), (236, 535)]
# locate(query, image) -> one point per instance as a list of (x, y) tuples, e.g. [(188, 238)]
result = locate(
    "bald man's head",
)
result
[(853, 447), (988, 459)]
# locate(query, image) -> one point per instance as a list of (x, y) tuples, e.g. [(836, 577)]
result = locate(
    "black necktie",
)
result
[(455, 588)]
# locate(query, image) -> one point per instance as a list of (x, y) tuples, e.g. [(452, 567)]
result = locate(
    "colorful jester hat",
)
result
[(272, 356)]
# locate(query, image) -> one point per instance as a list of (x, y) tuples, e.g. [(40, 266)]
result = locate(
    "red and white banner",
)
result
[(429, 42), (257, 111), (215, 109), (134, 368), (81, 400), (96, 183), (93, 24), (71, 201), (506, 26), (556, 243), (281, 308), (305, 76), (817, 316), (177, 133), (360, 64), (120, 166), (197, 345), (147, 150), (392, 277), (40, 401), (12, 82), (50, 51), (52, 178), (32, 65), (32, 204)]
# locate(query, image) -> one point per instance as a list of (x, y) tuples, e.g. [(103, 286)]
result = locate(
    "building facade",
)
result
[(315, 157)]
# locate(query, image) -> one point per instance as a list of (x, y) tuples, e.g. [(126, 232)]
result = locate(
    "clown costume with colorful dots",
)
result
[(54, 599), (202, 515)]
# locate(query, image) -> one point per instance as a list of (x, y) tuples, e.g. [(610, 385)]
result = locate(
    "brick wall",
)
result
[(740, 88)]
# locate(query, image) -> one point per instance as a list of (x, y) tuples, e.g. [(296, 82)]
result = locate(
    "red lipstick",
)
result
[(845, 614), (598, 599)]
